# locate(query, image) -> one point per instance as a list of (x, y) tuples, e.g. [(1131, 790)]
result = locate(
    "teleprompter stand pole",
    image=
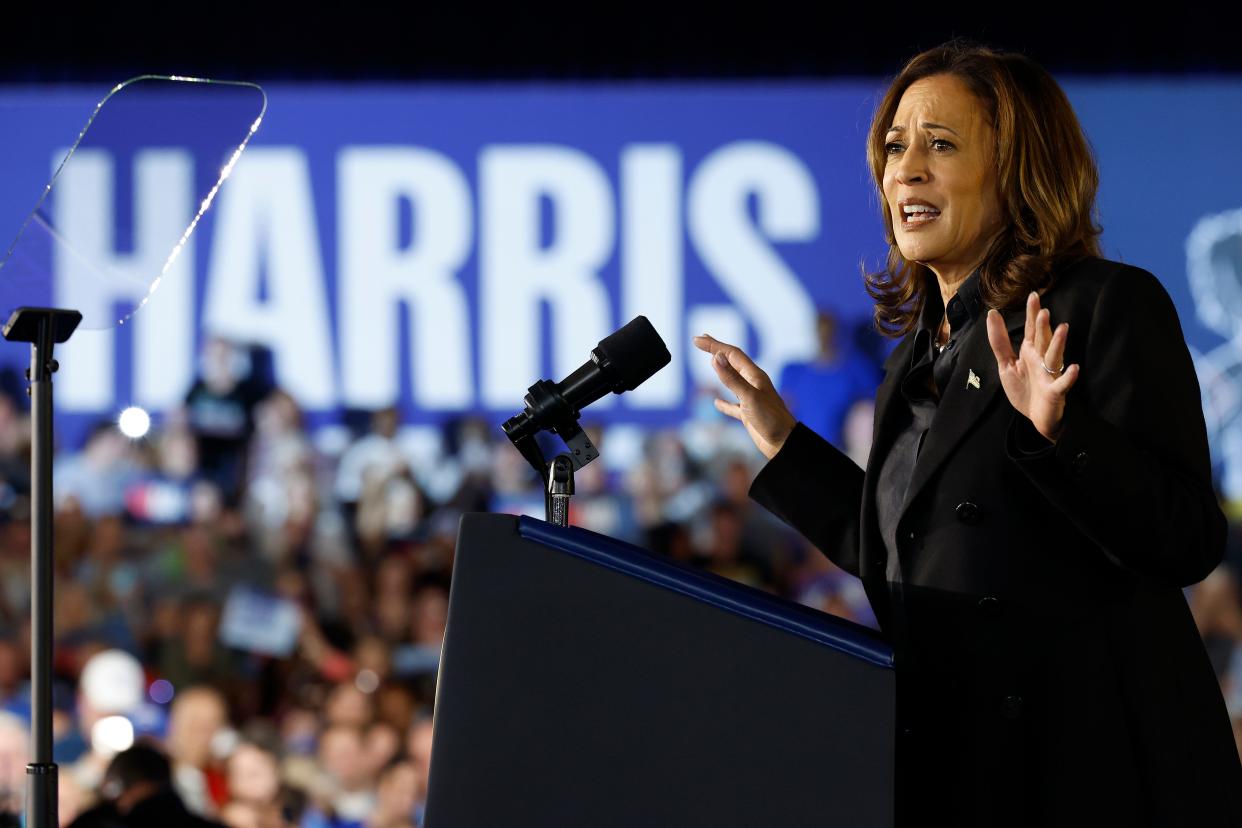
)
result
[(42, 328)]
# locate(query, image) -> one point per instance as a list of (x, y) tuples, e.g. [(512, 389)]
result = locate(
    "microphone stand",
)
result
[(559, 489), (544, 405), (622, 360), (42, 328)]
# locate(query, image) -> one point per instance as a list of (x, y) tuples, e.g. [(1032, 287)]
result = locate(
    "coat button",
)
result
[(989, 606), (1080, 463), (968, 512), (1011, 707)]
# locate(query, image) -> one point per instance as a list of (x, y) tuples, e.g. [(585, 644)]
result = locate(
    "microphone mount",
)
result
[(621, 362), (545, 405)]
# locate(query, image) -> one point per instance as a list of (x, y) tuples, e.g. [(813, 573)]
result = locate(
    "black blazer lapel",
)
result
[(972, 389)]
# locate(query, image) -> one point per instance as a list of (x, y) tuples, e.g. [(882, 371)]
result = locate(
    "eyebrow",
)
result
[(926, 125)]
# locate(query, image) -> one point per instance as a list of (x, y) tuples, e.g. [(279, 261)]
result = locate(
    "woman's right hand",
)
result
[(759, 408)]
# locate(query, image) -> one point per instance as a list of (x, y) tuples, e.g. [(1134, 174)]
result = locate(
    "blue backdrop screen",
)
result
[(442, 247)]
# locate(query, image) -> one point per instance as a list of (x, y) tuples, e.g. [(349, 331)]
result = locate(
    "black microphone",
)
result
[(621, 362)]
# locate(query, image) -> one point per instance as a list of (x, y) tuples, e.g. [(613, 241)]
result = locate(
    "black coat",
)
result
[(1049, 671)]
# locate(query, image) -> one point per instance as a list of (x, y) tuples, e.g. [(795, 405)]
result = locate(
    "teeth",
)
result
[(913, 213)]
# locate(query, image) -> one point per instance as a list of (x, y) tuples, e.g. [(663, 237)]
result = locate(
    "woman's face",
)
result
[(940, 177)]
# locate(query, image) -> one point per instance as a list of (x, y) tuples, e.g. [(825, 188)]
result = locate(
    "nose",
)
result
[(912, 165)]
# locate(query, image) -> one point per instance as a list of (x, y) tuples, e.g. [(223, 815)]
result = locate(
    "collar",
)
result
[(963, 306)]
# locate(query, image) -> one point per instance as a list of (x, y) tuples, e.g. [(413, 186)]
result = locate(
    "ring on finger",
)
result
[(1057, 372)]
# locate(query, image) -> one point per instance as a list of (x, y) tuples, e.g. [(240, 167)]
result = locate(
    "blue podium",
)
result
[(586, 682)]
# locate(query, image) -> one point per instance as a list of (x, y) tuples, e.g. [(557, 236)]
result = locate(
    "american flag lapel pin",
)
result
[(972, 380)]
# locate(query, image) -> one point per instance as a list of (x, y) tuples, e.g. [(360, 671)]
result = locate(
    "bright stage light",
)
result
[(112, 734), (134, 422)]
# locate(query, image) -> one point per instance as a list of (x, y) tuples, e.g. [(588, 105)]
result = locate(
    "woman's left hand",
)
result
[(1033, 390)]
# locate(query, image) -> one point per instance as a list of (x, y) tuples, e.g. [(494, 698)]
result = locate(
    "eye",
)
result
[(942, 144), (892, 148)]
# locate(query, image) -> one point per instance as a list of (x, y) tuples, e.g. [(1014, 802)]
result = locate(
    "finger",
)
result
[(1066, 381), (710, 344), (746, 366), (730, 376), (1032, 309), (737, 359), (733, 410), (999, 339), (1043, 332), (1054, 354)]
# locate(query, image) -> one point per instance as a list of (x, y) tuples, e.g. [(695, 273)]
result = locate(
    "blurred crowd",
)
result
[(264, 603)]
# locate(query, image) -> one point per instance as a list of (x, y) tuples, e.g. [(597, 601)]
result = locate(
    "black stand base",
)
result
[(41, 806)]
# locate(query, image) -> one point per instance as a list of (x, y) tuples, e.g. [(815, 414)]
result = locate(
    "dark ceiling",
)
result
[(104, 43)]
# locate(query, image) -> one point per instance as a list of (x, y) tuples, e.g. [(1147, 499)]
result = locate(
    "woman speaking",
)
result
[(1036, 496)]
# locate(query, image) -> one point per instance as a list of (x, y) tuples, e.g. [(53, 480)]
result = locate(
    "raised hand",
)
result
[(758, 406), (1038, 392)]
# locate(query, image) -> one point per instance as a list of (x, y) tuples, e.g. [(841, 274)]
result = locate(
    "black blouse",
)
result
[(929, 371)]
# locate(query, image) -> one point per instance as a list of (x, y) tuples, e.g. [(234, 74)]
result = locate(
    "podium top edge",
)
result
[(738, 599)]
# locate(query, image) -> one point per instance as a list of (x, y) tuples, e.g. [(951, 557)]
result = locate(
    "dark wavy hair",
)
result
[(1046, 174)]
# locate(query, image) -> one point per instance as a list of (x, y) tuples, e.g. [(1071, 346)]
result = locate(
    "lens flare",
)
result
[(134, 422)]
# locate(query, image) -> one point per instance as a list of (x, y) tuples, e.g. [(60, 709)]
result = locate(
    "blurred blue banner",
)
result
[(442, 247)]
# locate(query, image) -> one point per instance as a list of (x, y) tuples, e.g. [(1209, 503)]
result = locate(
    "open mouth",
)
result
[(915, 214)]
